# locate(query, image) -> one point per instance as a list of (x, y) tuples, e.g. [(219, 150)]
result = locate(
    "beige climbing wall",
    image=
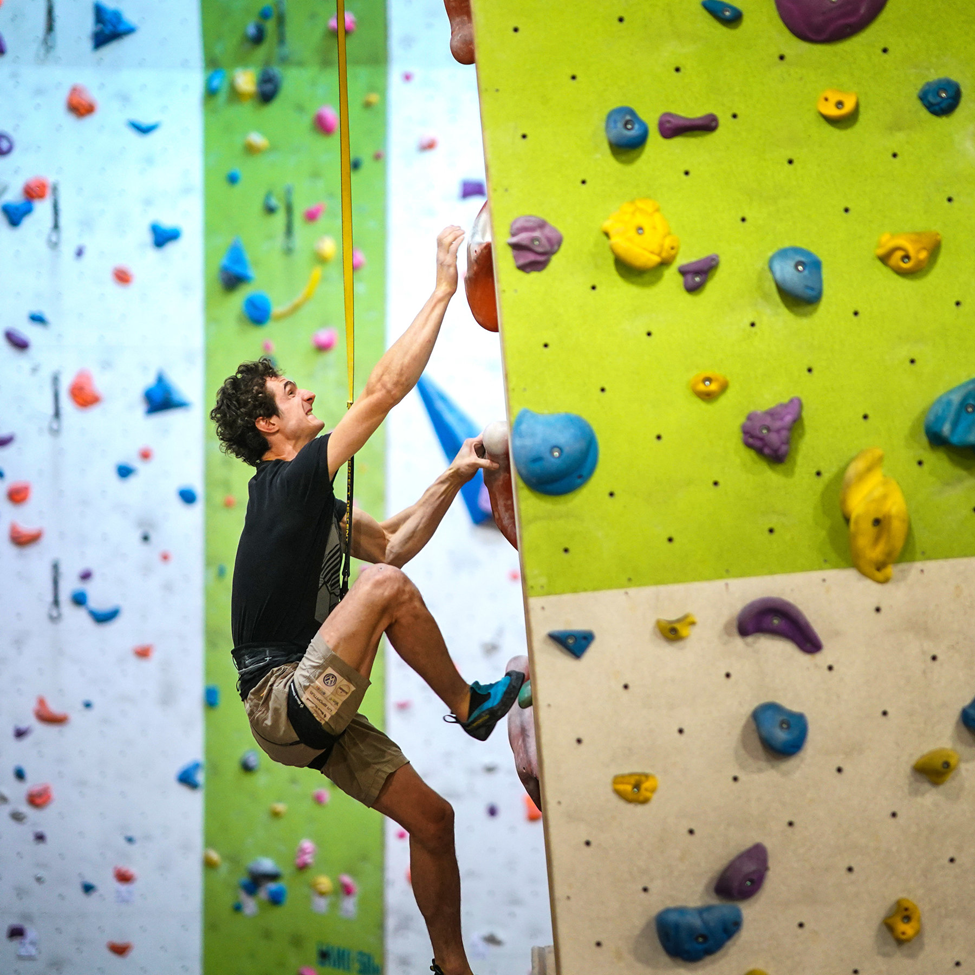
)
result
[(896, 669)]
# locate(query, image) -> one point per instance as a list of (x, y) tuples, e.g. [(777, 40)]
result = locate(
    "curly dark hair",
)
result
[(241, 401)]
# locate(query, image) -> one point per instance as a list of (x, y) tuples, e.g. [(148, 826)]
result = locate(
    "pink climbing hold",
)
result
[(314, 212), (324, 339), (358, 259), (350, 23), (348, 885), (427, 143), (321, 796), (327, 119), (305, 855), (307, 970), (268, 346), (407, 75)]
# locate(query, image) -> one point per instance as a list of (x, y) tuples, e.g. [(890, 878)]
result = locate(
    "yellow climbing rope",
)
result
[(346, 166)]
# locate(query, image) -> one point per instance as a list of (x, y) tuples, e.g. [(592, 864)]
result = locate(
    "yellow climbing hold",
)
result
[(905, 922), (635, 787), (211, 858), (907, 253), (755, 971), (877, 512), (245, 84), (316, 276), (938, 765), (278, 809), (255, 143), (371, 99), (835, 105), (640, 236), (326, 248), (322, 885), (709, 385), (679, 629)]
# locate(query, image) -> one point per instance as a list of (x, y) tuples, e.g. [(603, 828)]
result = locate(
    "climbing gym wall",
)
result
[(272, 186), (101, 617), (468, 574), (684, 513)]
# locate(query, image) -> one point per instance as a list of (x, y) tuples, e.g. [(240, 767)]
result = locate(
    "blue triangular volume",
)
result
[(452, 428), (575, 641), (163, 395), (235, 268), (110, 25)]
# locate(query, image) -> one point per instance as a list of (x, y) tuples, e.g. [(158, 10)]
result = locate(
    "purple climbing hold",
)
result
[(696, 273), (6, 439), (670, 124), (820, 21), (6, 144), (533, 241), (85, 574), (472, 187), (3, 46), (21, 730), (768, 431), (17, 339), (782, 618), (743, 877)]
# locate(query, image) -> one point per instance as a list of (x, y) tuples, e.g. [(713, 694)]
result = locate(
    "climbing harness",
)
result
[(346, 167)]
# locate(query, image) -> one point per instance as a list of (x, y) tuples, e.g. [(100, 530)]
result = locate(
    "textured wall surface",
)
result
[(133, 722)]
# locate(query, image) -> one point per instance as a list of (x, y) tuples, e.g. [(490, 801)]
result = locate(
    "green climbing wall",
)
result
[(239, 824), (676, 496)]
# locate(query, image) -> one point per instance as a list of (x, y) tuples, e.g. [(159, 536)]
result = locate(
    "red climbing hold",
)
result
[(82, 390), (122, 274), (39, 796), (145, 453), (43, 713), (120, 948), (24, 536), (229, 501), (124, 875), (427, 143), (144, 650), (80, 102), (36, 188), (18, 492)]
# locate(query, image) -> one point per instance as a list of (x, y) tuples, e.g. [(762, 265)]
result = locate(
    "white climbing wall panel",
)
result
[(468, 575), (850, 828), (112, 767)]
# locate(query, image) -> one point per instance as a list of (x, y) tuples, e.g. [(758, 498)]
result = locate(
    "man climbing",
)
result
[(303, 653)]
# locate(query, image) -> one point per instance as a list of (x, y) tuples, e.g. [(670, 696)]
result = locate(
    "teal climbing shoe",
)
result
[(491, 703)]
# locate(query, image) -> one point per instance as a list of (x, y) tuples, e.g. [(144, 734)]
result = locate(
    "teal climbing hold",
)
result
[(163, 395), (104, 615), (575, 641), (780, 729), (144, 128), (951, 419), (215, 80), (211, 695), (725, 12), (554, 453), (110, 25), (257, 307), (187, 495), (277, 894), (968, 716), (124, 470), (189, 775), (161, 235), (79, 597), (15, 212), (235, 268), (693, 933)]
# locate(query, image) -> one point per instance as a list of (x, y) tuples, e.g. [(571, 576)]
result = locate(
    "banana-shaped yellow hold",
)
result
[(875, 507), (635, 787), (677, 629)]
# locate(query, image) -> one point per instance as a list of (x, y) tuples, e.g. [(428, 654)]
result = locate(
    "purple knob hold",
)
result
[(743, 877), (533, 241), (670, 124), (17, 339), (768, 431), (696, 273), (779, 617)]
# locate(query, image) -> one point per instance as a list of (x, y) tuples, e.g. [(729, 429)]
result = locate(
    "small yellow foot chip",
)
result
[(677, 629), (938, 765)]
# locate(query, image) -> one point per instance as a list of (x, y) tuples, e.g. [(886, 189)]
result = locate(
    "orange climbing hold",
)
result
[(39, 796), (145, 453), (36, 188), (18, 492), (24, 536), (124, 875), (122, 274), (229, 501), (532, 812), (43, 713), (80, 102), (82, 390), (120, 948), (144, 650)]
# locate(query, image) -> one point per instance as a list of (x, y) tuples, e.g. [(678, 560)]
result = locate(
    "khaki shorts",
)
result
[(363, 757)]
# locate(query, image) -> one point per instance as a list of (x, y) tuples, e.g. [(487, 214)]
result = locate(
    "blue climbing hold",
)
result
[(249, 760), (110, 25), (211, 694), (19, 774), (255, 32), (161, 235), (88, 887), (780, 729), (104, 615), (257, 307), (221, 571), (187, 495), (554, 453), (625, 129), (215, 80), (263, 870), (452, 427), (941, 96), (266, 12), (189, 775), (575, 641), (357, 162), (968, 716), (124, 470), (144, 128), (233, 177), (798, 272), (79, 597), (163, 395), (15, 212), (724, 12), (248, 887), (270, 204), (693, 933), (951, 419), (235, 268), (277, 894), (38, 318)]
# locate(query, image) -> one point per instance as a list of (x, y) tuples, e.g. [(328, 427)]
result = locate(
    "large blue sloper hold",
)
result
[(235, 268), (554, 453), (779, 729), (951, 419), (798, 272), (453, 427), (110, 25), (693, 933), (163, 395)]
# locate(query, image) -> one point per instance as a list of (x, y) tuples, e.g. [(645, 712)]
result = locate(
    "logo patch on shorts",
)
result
[(329, 679)]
